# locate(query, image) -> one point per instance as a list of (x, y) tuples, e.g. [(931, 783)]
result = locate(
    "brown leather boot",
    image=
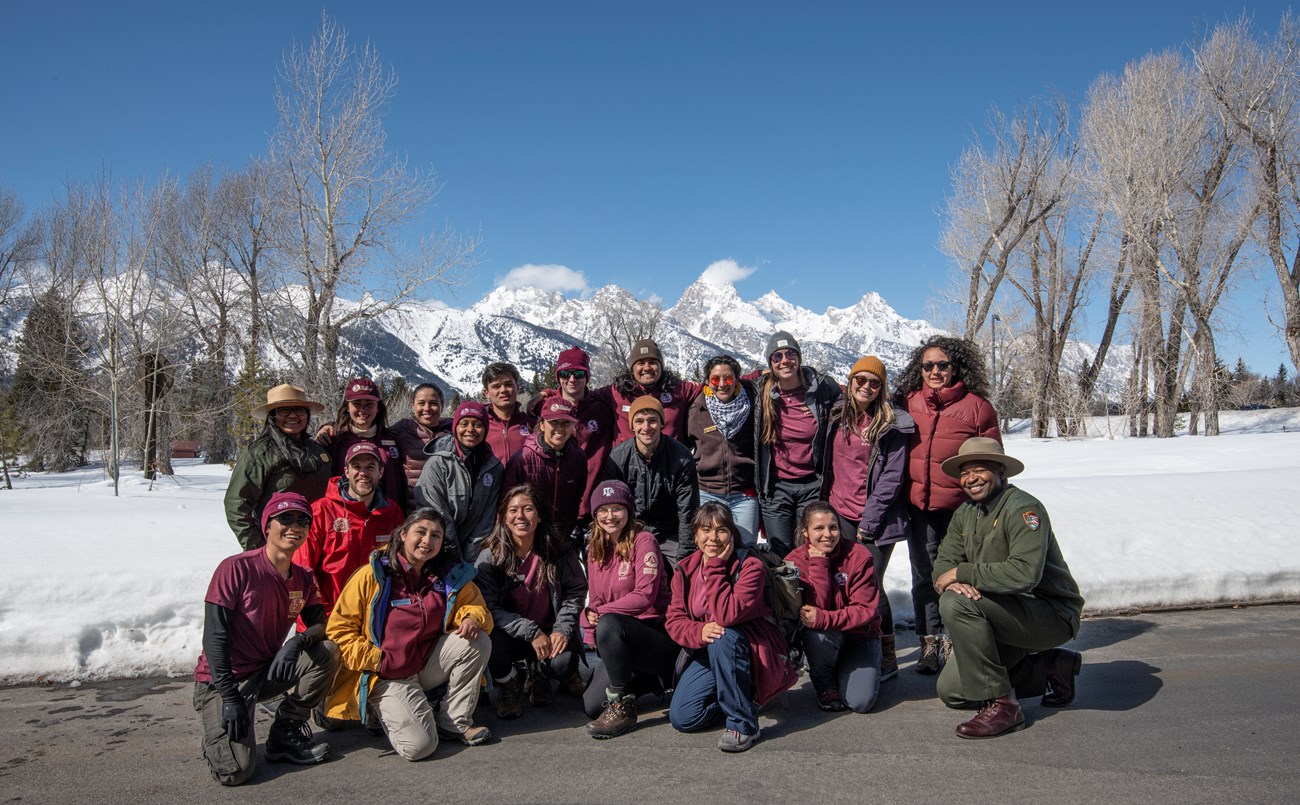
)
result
[(888, 658), (998, 717)]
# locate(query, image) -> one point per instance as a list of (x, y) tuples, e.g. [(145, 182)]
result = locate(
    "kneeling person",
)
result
[(409, 622), (1006, 595), (252, 601)]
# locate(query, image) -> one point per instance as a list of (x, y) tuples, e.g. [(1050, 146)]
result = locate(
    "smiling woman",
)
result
[(281, 459)]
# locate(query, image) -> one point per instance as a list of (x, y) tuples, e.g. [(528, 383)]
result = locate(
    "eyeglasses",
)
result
[(572, 374), (869, 382), (296, 410), (783, 355), (288, 519), (717, 382), (942, 366)]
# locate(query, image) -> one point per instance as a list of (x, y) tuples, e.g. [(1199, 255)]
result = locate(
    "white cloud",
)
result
[(546, 277), (725, 272)]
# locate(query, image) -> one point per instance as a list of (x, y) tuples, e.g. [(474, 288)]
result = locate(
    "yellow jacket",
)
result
[(352, 625)]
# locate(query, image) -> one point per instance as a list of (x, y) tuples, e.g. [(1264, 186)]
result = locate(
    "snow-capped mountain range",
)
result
[(529, 326)]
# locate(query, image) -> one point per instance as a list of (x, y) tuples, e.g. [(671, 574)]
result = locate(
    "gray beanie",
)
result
[(781, 340)]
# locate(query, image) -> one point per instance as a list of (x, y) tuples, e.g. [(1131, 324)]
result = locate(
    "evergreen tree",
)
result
[(47, 398)]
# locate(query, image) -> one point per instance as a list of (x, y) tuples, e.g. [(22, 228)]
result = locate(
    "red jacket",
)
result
[(508, 436), (559, 477), (594, 433), (842, 586), (342, 535), (944, 419), (676, 402), (732, 605)]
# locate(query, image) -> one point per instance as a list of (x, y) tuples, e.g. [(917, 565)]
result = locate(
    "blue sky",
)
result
[(634, 143)]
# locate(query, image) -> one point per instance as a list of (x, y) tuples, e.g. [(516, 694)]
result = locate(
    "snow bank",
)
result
[(95, 586)]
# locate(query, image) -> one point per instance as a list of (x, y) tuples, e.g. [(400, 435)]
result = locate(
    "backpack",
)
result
[(781, 593)]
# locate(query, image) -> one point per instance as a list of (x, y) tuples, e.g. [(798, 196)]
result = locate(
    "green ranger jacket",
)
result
[(258, 474), (1009, 548)]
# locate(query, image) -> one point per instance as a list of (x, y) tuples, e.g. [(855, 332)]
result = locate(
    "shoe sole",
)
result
[(1008, 731), (276, 757), (604, 736), (461, 739), (1050, 701), (508, 716)]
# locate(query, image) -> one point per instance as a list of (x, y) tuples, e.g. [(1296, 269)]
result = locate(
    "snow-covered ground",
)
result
[(94, 586)]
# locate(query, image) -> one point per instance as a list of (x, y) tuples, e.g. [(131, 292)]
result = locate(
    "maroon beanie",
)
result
[(572, 358), (471, 409), (608, 492)]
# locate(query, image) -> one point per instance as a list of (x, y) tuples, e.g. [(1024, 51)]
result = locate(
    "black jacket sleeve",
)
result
[(216, 647)]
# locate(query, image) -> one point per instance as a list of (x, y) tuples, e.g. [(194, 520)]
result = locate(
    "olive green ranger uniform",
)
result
[(260, 472), (1004, 548)]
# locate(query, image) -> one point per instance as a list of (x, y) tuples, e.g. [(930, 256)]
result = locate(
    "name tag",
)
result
[(711, 429), (401, 602)]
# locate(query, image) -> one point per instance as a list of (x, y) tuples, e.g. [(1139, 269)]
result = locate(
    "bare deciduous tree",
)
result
[(348, 201)]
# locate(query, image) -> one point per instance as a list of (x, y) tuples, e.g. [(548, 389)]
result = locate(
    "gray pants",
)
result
[(993, 645), (404, 710), (849, 664), (232, 762)]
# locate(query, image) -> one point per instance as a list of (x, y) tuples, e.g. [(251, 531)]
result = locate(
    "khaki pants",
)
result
[(404, 710), (233, 762), (993, 640)]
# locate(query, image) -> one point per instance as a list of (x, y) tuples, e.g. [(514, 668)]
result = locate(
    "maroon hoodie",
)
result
[(507, 436), (594, 433), (636, 586), (731, 604), (559, 476), (843, 588)]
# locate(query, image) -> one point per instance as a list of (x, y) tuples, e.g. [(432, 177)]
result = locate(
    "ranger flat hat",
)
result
[(286, 396), (982, 448)]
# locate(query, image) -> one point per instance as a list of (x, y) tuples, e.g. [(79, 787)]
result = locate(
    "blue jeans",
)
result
[(744, 508), (719, 679)]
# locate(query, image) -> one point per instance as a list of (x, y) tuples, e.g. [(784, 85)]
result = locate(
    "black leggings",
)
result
[(635, 655), (507, 650)]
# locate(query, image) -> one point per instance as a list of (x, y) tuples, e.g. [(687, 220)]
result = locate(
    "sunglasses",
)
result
[(722, 382), (869, 382), (942, 366), (296, 410), (783, 355), (572, 374), (289, 519)]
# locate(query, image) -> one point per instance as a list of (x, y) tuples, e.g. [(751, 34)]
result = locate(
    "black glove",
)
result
[(234, 715), (286, 660)]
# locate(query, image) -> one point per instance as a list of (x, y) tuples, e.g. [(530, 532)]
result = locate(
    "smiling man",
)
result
[(1006, 595), (353, 519), (553, 464), (252, 601), (661, 473)]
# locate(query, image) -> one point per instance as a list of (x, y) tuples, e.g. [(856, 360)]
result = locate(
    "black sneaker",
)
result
[(290, 741)]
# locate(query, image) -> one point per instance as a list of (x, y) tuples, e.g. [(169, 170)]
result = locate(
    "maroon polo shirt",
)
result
[(263, 604)]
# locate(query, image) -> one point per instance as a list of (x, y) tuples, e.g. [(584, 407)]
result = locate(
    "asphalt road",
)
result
[(1172, 707)]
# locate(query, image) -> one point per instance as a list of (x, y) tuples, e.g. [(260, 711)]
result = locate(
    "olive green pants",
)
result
[(994, 645)]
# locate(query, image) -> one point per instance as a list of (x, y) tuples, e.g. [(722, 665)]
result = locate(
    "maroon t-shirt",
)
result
[(528, 596), (793, 453), (850, 463), (264, 605)]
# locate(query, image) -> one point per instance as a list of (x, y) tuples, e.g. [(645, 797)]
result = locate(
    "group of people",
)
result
[(619, 541)]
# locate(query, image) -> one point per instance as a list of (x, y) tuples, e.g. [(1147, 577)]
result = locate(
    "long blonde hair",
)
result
[(879, 409)]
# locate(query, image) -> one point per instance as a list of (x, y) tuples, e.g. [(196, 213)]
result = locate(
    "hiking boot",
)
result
[(617, 718), (510, 697), (830, 701), (473, 736), (888, 658), (574, 686), (539, 688), (290, 741), (930, 661), (732, 741)]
